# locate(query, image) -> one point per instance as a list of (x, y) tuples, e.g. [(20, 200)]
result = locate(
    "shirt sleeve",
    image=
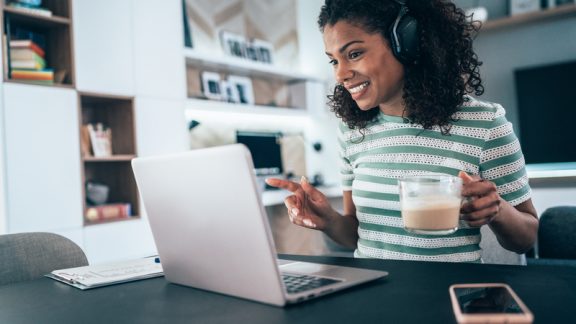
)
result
[(502, 161)]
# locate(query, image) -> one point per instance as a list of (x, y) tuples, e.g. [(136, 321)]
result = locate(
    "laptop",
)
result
[(212, 232)]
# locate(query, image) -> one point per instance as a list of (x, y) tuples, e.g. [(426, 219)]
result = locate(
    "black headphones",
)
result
[(404, 35)]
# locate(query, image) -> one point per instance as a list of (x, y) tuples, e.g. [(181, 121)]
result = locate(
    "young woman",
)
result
[(404, 72)]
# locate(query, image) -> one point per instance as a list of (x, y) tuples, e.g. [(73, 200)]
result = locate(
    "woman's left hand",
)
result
[(482, 201)]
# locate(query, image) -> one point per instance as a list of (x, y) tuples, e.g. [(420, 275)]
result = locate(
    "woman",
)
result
[(405, 70)]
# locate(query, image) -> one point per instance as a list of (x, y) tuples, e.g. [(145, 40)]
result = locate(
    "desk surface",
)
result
[(415, 292)]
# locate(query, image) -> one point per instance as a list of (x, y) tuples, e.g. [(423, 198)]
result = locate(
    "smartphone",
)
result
[(488, 303)]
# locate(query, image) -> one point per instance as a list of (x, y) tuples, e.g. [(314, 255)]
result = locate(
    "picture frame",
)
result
[(518, 7), (229, 92), (233, 44), (264, 50), (242, 86), (211, 87)]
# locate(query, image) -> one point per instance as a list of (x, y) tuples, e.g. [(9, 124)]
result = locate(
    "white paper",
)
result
[(107, 274)]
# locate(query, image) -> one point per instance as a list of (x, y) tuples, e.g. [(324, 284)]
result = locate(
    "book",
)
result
[(101, 139), (22, 74), (21, 33), (33, 10), (27, 43), (24, 54), (85, 141), (93, 276), (108, 212), (35, 63)]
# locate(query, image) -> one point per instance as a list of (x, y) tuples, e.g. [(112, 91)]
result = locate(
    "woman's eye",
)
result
[(354, 55), (333, 62)]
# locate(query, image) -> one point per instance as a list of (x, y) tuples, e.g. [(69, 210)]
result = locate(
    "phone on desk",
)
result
[(488, 303)]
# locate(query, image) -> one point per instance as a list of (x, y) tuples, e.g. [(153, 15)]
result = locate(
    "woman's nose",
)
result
[(343, 73)]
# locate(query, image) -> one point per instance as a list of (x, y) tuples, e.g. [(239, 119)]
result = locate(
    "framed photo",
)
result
[(233, 44), (523, 6), (229, 92), (264, 50), (211, 85), (243, 88)]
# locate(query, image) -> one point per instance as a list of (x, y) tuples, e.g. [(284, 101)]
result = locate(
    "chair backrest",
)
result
[(28, 256), (557, 233), (493, 252)]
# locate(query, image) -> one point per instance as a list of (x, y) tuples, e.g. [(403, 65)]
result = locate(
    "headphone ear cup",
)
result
[(404, 39)]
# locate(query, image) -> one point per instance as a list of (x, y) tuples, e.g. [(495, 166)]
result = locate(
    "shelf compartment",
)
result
[(224, 107), (114, 112), (115, 171), (55, 29), (120, 180)]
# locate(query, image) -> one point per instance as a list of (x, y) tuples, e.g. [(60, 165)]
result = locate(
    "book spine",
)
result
[(108, 212)]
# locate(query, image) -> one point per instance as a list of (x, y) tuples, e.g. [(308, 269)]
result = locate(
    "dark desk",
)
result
[(415, 292)]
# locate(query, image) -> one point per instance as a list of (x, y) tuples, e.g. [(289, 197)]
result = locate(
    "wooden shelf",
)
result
[(43, 21), (563, 11), (116, 113), (113, 158), (56, 30)]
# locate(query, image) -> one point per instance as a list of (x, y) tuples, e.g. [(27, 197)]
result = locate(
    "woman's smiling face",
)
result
[(365, 65)]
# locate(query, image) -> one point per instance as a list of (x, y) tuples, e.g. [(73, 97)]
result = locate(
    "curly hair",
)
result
[(435, 85)]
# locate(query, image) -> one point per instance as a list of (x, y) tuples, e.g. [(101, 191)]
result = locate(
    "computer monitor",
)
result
[(546, 112), (265, 149)]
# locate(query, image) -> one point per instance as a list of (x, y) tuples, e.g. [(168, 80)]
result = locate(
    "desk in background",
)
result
[(415, 292)]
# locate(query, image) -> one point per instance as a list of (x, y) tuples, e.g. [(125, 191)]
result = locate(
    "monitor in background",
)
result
[(547, 113), (265, 149)]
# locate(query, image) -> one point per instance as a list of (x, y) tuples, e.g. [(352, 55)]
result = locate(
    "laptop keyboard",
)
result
[(296, 283)]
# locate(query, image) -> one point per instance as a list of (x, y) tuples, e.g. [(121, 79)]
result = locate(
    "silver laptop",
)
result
[(211, 230)]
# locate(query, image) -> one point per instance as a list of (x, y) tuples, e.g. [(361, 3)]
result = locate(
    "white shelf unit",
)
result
[(214, 106)]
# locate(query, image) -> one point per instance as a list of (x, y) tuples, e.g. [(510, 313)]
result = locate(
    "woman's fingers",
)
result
[(283, 184)]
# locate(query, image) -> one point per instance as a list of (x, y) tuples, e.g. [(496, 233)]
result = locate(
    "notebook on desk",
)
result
[(211, 230)]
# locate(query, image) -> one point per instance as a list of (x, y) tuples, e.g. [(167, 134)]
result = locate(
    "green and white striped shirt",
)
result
[(481, 142)]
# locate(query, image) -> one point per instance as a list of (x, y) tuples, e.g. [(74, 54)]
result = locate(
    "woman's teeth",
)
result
[(358, 88)]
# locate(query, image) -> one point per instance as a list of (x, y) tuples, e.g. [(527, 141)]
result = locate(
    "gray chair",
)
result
[(493, 252), (28, 256), (556, 237)]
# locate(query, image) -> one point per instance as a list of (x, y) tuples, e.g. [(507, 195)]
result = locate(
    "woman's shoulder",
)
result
[(476, 109)]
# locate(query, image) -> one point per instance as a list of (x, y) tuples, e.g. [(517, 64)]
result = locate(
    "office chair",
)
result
[(28, 256), (493, 252), (557, 233)]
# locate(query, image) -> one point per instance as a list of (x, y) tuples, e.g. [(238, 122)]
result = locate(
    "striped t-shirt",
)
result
[(481, 142)]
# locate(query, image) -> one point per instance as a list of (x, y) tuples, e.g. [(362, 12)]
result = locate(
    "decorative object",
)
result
[(243, 86), (233, 44), (264, 50), (211, 85), (523, 6)]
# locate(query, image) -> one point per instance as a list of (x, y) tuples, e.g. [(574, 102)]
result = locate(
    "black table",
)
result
[(414, 292)]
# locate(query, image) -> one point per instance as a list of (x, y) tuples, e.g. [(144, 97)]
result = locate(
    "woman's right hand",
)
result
[(307, 206)]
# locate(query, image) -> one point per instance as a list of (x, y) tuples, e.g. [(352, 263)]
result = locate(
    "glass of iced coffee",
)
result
[(430, 204)]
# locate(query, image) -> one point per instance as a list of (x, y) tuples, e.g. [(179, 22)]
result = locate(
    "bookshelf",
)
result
[(559, 12), (113, 171), (49, 27)]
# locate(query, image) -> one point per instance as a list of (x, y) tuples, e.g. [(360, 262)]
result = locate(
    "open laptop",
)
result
[(211, 230)]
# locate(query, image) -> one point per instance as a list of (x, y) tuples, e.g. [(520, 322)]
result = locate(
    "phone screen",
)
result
[(482, 300)]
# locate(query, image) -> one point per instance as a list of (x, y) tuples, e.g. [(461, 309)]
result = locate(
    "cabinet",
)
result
[(104, 46), (110, 173), (37, 43), (41, 158)]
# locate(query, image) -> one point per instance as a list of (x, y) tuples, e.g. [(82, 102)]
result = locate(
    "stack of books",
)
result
[(33, 7), (27, 62)]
